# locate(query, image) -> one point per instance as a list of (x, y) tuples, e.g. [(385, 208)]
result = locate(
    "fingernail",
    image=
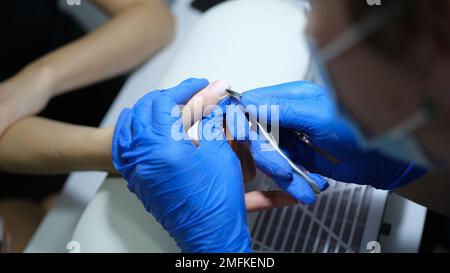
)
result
[(219, 87)]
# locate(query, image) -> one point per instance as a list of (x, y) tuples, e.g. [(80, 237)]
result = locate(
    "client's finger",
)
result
[(262, 200), (203, 103)]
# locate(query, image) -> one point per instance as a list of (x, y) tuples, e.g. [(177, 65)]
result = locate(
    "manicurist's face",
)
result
[(377, 91)]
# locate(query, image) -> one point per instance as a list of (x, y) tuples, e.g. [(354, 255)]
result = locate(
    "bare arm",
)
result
[(137, 29)]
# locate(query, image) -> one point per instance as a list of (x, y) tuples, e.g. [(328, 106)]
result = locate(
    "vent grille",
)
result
[(335, 223)]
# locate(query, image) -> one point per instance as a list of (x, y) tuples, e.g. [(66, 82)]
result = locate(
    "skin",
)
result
[(136, 29), (382, 92), (121, 44)]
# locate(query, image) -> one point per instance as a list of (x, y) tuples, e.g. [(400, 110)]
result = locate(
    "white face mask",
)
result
[(399, 142)]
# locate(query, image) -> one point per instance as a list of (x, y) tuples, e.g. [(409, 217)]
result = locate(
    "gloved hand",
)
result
[(195, 193), (306, 107)]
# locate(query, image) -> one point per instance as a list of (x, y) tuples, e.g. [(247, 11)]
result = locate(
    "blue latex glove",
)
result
[(306, 107), (195, 193)]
